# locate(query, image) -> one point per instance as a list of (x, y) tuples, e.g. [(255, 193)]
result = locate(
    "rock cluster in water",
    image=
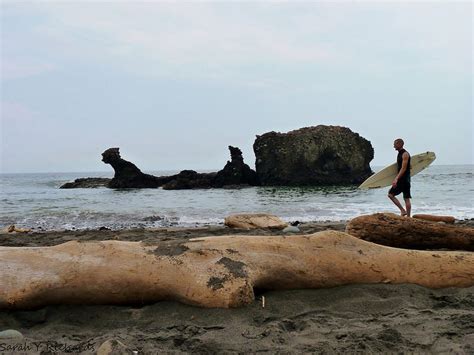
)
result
[(128, 175), (320, 155)]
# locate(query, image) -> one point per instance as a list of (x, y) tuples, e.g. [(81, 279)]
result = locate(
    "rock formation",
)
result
[(87, 182), (190, 179), (321, 155), (128, 175), (235, 172), (411, 233), (215, 271)]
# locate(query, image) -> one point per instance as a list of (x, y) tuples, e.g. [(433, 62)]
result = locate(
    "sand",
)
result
[(352, 318)]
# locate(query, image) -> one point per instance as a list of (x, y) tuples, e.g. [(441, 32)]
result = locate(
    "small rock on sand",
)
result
[(11, 334)]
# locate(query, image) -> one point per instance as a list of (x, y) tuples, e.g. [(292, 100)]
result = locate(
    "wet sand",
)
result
[(352, 318)]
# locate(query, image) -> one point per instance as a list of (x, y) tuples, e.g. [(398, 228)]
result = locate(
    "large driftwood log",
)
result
[(432, 218), (214, 271), (402, 232)]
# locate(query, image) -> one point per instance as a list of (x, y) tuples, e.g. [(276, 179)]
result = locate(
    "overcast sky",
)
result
[(173, 84)]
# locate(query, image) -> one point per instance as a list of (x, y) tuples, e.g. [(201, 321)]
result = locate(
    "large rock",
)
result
[(235, 172), (254, 220), (127, 175), (190, 179), (86, 182), (321, 155), (411, 233)]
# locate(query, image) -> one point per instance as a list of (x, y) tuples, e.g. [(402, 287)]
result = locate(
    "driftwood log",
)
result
[(432, 218), (214, 271), (402, 232)]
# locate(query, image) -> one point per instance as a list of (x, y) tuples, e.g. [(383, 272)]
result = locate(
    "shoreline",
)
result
[(54, 237)]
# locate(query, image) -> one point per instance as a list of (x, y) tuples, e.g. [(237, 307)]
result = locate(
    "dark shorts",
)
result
[(401, 187)]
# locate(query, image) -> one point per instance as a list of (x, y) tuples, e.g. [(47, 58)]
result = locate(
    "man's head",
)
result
[(398, 143)]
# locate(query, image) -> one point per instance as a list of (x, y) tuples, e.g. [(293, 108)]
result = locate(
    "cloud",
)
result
[(14, 112), (21, 68), (245, 43)]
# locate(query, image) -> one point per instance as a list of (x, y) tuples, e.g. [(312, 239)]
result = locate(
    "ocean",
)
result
[(36, 201)]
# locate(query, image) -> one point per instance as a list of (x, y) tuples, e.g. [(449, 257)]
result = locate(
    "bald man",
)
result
[(401, 183)]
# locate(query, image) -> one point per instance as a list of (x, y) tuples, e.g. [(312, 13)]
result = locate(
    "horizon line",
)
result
[(165, 170)]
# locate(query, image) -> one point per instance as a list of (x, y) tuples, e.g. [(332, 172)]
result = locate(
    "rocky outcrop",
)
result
[(127, 175), (190, 179), (410, 233), (321, 155), (235, 172), (254, 221), (87, 182)]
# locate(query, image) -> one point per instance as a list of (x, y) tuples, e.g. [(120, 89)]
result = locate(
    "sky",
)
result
[(174, 83)]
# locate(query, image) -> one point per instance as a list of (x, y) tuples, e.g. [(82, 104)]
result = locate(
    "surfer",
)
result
[(401, 183)]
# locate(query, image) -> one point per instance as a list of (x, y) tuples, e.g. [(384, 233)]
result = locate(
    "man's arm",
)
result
[(405, 157)]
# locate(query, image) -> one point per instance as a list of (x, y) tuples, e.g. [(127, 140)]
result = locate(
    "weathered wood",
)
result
[(402, 232), (433, 218), (213, 271), (254, 220)]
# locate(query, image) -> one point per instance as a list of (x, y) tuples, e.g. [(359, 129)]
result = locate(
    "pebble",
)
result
[(114, 347), (11, 334), (291, 229)]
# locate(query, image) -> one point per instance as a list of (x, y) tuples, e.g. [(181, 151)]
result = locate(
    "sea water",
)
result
[(36, 201)]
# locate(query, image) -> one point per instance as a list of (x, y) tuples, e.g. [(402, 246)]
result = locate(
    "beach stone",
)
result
[(114, 347), (291, 229), (11, 334), (14, 229), (254, 220), (320, 155)]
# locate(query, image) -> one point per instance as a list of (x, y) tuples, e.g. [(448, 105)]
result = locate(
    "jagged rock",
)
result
[(86, 183), (190, 179), (411, 233), (321, 155), (214, 272), (432, 218), (235, 172), (127, 175), (254, 220)]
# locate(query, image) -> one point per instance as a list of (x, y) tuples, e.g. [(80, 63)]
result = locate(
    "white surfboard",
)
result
[(385, 176)]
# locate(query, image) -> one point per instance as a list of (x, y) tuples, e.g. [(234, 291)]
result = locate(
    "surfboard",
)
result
[(385, 176)]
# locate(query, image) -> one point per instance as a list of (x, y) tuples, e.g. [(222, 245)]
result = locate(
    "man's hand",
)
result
[(394, 183)]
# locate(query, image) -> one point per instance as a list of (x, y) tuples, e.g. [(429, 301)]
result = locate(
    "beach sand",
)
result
[(352, 318)]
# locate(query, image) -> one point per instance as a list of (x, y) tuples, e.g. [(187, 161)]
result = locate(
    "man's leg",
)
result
[(398, 204), (408, 206)]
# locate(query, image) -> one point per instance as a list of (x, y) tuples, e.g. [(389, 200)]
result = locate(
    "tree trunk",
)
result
[(432, 218), (214, 271), (410, 233)]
